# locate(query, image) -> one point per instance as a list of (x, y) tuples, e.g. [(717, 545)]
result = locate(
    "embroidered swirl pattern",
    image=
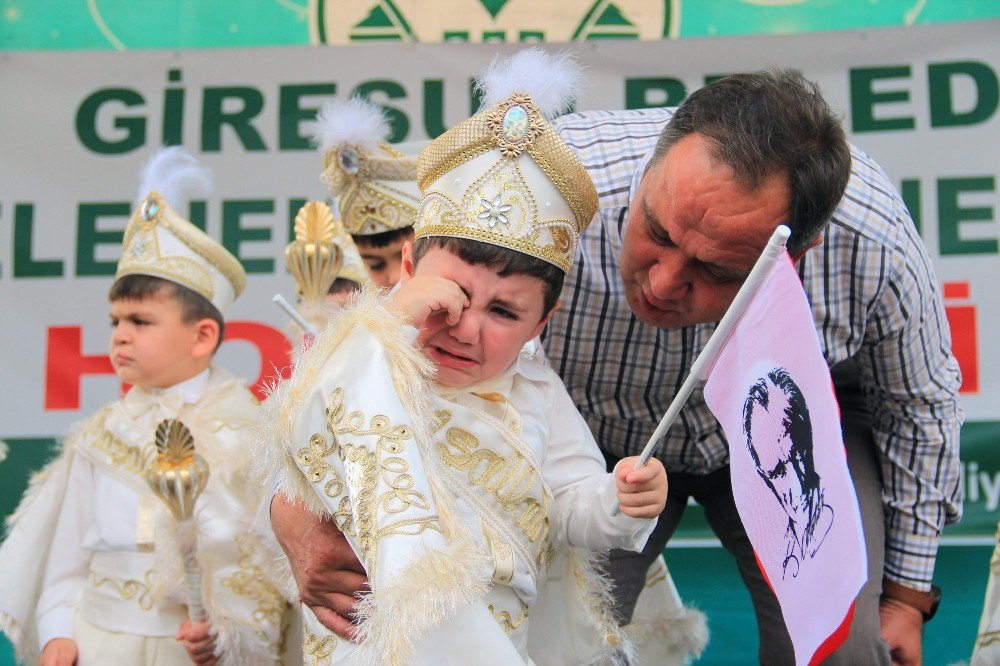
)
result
[(128, 589), (318, 649), (363, 469)]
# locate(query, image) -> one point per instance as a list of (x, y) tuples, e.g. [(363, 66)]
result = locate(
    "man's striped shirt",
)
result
[(874, 298)]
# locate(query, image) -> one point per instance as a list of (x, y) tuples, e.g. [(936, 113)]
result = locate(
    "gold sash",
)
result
[(497, 473)]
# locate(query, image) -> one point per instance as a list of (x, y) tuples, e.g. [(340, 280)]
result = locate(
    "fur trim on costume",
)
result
[(434, 587), (588, 567), (682, 634)]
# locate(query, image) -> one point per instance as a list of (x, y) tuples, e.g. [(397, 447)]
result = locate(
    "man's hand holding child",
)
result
[(642, 493)]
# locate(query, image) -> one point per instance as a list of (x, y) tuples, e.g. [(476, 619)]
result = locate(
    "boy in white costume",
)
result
[(470, 498), (91, 571)]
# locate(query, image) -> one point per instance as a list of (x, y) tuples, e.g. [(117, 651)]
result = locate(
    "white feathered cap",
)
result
[(160, 242), (374, 183), (504, 176)]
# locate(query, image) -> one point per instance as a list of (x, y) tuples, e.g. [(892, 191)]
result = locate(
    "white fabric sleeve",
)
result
[(68, 562), (585, 495)]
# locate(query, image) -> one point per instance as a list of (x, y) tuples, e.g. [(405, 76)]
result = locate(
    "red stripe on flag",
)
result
[(835, 640)]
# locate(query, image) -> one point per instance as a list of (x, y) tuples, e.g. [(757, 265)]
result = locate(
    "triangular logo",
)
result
[(605, 20), (493, 6), (383, 22)]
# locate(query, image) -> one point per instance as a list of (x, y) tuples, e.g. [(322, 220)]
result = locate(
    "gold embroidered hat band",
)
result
[(504, 176), (374, 183), (160, 242)]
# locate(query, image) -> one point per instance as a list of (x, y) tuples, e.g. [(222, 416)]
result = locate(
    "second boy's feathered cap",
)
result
[(160, 242), (373, 182), (504, 176)]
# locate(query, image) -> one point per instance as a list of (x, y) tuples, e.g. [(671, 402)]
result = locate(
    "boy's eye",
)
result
[(505, 313), (376, 266)]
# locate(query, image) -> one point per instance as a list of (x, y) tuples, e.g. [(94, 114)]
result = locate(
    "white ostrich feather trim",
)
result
[(552, 80), (177, 175), (356, 121)]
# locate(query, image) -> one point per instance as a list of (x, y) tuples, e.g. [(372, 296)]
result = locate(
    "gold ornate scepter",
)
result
[(313, 258), (177, 476)]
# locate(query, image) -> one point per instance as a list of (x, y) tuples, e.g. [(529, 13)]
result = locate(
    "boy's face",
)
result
[(382, 262), (152, 346), (503, 314)]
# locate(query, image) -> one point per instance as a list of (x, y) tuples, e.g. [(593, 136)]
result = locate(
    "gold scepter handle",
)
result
[(177, 476), (313, 259)]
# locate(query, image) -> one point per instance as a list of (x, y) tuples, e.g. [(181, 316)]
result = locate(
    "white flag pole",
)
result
[(282, 303), (706, 359)]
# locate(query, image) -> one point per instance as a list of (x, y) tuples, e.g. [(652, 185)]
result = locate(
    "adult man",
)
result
[(685, 209)]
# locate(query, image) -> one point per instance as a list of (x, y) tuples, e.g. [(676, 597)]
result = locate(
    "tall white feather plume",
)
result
[(356, 121), (552, 80), (177, 175)]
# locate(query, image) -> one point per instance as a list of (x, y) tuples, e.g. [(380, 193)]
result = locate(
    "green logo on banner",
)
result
[(430, 21)]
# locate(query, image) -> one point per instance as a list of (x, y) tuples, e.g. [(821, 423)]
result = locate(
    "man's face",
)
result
[(504, 313), (693, 234), (771, 441)]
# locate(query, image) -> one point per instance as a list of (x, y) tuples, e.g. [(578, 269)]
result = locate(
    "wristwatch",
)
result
[(925, 602)]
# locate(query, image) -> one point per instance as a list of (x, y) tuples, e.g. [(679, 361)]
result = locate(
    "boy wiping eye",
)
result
[(459, 469)]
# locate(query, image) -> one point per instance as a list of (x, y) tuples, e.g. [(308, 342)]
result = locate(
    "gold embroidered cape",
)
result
[(445, 504)]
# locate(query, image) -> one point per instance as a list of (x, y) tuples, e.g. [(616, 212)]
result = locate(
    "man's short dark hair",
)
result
[(194, 306), (771, 122), (504, 260), (383, 239)]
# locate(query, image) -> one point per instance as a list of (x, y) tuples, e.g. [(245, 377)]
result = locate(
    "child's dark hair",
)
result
[(504, 260), (383, 239), (194, 306), (343, 285)]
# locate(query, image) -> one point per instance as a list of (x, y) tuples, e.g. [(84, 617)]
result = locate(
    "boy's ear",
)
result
[(206, 338), (406, 262), (546, 318)]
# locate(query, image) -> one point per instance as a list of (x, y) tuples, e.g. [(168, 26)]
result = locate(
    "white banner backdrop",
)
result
[(75, 129)]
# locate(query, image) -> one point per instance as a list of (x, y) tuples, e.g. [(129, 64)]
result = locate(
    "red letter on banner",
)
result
[(275, 351), (964, 344), (65, 365)]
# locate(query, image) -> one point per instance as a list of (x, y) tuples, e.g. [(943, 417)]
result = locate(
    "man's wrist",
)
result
[(925, 602)]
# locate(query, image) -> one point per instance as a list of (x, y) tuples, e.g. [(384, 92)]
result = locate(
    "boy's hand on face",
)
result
[(59, 652), (199, 642), (642, 493), (422, 296)]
